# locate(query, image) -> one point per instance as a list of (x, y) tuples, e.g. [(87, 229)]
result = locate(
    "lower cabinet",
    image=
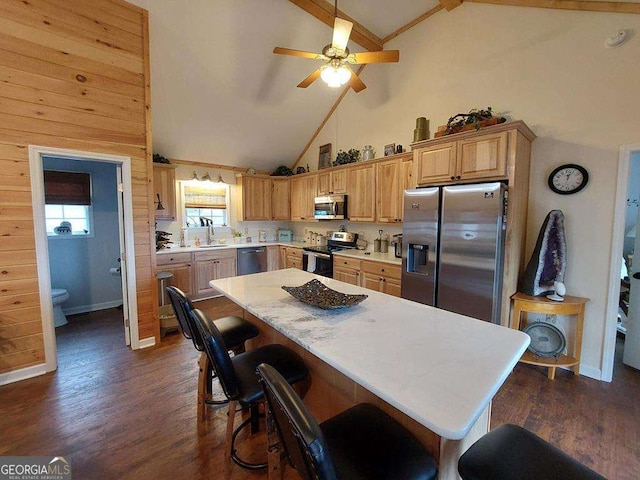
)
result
[(293, 257), (273, 258), (213, 266), (181, 266), (383, 277), (380, 276), (347, 270)]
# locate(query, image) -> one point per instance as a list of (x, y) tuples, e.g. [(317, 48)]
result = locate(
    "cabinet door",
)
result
[(273, 258), (347, 275), (225, 268), (182, 276), (324, 183), (256, 198), (339, 181), (303, 191), (484, 156), (392, 286), (361, 191), (408, 177), (293, 261), (389, 191), (371, 281), (205, 272), (164, 186), (280, 201), (435, 164)]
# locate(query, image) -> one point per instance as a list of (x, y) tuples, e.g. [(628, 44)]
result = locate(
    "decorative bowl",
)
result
[(317, 294)]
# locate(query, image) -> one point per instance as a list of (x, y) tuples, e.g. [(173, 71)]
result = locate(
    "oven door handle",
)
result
[(319, 255)]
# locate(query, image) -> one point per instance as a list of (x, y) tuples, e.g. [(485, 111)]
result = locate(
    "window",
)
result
[(67, 197), (79, 216), (205, 201)]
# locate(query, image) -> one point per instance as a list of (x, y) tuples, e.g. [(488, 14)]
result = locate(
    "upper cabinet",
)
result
[(262, 198), (164, 191), (468, 159), (303, 191), (389, 191), (332, 182), (361, 188)]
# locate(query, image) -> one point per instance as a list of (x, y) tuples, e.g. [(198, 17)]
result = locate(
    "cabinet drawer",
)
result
[(294, 252), (215, 253), (382, 269), (346, 262), (173, 258)]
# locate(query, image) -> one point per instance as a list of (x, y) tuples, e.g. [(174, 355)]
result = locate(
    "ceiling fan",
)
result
[(337, 71)]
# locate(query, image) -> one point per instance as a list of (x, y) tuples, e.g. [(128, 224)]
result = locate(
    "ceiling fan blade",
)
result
[(298, 53), (310, 79), (341, 31), (374, 57), (355, 82)]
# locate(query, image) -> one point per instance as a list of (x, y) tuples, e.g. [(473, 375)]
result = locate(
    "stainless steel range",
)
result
[(319, 260)]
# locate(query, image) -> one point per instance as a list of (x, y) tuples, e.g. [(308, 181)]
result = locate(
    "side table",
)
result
[(570, 306)]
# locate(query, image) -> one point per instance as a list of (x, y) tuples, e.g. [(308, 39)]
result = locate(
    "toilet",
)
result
[(58, 297)]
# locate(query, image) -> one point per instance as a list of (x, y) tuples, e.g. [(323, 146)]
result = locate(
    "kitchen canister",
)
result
[(384, 245), (368, 153), (421, 131)]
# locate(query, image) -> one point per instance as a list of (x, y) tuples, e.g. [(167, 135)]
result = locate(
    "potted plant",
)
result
[(237, 236), (342, 158)]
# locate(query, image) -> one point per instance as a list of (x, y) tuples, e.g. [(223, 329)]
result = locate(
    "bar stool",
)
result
[(361, 443), (239, 381), (234, 330), (510, 452)]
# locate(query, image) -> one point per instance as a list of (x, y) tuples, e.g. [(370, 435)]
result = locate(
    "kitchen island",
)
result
[(434, 371)]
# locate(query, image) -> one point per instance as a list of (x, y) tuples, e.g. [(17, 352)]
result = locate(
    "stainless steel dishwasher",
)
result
[(252, 260)]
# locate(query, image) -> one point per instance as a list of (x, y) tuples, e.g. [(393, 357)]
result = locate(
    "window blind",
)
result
[(205, 197), (67, 188)]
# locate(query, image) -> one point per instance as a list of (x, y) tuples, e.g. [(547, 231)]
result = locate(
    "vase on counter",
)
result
[(368, 153)]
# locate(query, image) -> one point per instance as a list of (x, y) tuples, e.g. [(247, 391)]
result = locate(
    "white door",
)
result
[(123, 258), (631, 354)]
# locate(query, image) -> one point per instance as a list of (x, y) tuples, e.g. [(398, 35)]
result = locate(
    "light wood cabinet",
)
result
[(361, 188), (332, 182), (346, 270), (273, 258), (280, 201), (181, 266), (213, 266), (382, 277), (478, 157), (255, 198), (389, 191), (164, 190), (291, 257), (303, 191)]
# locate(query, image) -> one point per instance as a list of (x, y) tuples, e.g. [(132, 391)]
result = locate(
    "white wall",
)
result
[(549, 68), (81, 265)]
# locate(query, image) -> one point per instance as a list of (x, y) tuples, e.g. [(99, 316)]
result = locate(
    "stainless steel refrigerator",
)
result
[(452, 248)]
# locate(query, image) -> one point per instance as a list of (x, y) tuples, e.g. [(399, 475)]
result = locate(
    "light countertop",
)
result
[(226, 246), (366, 255), (440, 368)]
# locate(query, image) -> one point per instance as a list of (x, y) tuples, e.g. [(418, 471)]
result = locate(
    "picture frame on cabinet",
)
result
[(389, 149), (324, 158)]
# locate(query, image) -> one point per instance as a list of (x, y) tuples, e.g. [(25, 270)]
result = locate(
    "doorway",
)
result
[(623, 243), (122, 194)]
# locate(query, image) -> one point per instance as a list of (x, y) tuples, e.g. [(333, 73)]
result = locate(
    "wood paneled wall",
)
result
[(73, 74)]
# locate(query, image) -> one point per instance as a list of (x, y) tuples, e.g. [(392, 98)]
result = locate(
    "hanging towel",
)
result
[(311, 262)]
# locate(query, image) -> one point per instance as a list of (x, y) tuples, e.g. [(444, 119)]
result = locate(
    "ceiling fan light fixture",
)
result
[(335, 76)]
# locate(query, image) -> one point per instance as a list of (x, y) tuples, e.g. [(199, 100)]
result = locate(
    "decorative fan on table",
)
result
[(337, 71)]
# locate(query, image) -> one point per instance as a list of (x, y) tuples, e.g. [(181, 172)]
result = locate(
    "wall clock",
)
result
[(568, 179)]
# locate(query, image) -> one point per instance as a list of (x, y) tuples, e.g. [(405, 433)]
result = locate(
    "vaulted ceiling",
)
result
[(219, 94)]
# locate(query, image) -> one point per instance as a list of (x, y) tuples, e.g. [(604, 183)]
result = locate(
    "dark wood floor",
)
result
[(118, 414)]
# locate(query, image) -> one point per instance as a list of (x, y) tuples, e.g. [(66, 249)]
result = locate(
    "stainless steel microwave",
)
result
[(330, 207)]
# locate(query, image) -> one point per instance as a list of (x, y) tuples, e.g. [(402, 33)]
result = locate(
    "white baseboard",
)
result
[(147, 342), (91, 308), (23, 374), (591, 372)]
